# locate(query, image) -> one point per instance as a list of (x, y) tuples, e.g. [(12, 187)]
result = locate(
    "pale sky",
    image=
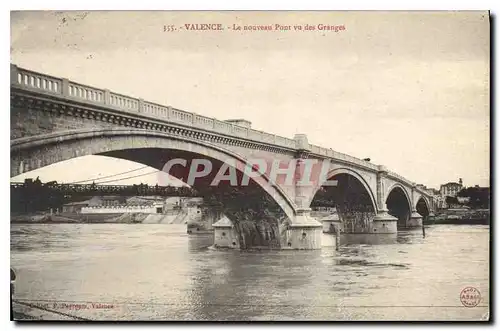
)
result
[(408, 90)]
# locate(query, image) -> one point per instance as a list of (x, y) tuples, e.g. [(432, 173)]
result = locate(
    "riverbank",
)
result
[(459, 221), (462, 217), (124, 218)]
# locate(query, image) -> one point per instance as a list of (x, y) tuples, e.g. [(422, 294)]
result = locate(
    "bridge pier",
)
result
[(384, 223), (415, 220), (332, 223), (304, 232), (201, 218), (225, 235)]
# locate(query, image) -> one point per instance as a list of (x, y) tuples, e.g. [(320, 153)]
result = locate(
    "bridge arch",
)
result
[(422, 205), (352, 197), (339, 171), (34, 152), (420, 196), (399, 203)]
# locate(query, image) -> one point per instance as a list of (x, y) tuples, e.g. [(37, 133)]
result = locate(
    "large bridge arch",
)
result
[(34, 152)]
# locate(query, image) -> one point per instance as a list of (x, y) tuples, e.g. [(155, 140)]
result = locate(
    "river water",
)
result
[(158, 272)]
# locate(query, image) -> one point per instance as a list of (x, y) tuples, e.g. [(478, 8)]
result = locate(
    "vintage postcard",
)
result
[(250, 165)]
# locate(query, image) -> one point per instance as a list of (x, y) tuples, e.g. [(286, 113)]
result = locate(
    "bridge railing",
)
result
[(83, 92), (155, 110), (254, 134), (240, 131), (204, 122), (223, 127), (34, 80), (123, 102), (409, 182), (180, 116), (74, 90), (54, 85), (285, 142), (341, 156), (399, 177)]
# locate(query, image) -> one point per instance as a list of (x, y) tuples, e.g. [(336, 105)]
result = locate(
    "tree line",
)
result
[(479, 197)]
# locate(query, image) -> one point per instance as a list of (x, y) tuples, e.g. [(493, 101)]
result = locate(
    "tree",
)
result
[(451, 201), (479, 197)]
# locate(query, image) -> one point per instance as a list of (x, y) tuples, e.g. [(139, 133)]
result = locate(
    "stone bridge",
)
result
[(54, 119)]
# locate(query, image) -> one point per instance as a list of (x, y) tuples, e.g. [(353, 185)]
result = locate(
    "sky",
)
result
[(410, 90)]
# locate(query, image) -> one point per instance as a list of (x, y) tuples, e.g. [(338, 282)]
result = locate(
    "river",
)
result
[(158, 272)]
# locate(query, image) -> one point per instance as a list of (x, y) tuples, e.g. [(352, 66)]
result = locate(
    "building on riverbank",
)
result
[(119, 205), (148, 208), (75, 207), (450, 189)]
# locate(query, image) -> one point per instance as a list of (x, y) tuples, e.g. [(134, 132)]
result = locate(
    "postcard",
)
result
[(250, 165)]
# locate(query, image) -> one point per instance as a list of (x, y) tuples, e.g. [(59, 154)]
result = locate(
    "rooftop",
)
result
[(451, 184), (77, 203)]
